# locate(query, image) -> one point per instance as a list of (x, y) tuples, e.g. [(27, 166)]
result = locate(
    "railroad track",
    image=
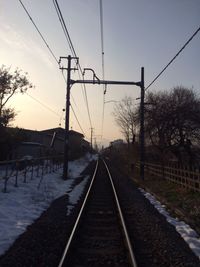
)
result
[(99, 236)]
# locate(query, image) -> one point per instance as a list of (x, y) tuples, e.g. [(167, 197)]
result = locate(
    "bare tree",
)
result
[(125, 118), (10, 84)]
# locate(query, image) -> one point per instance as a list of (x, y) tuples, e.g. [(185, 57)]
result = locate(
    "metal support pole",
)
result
[(142, 147), (105, 82), (66, 145)]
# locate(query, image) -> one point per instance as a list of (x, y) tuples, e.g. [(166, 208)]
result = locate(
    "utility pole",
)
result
[(142, 145), (67, 110), (91, 137)]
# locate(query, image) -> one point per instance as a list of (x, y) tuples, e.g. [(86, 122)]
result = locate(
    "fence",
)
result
[(183, 175), (12, 170)]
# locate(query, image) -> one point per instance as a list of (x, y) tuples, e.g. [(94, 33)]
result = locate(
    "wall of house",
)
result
[(75, 147), (32, 149)]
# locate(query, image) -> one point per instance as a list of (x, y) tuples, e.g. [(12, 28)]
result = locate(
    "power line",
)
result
[(77, 120), (67, 35), (38, 31), (184, 46), (74, 104), (71, 93), (44, 105), (53, 55), (61, 117), (62, 22), (44, 41)]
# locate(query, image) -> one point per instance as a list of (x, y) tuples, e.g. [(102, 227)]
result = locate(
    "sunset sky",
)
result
[(137, 33)]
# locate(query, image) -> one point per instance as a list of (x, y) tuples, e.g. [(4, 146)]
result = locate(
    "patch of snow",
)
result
[(21, 205), (186, 232), (75, 194)]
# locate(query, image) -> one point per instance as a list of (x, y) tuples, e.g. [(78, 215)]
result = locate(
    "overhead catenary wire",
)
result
[(177, 54), (103, 63), (86, 99), (53, 55), (102, 40), (71, 46)]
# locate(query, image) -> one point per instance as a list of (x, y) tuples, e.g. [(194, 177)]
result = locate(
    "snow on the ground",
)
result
[(187, 233), (21, 205)]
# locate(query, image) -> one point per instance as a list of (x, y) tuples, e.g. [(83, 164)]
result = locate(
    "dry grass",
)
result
[(182, 203)]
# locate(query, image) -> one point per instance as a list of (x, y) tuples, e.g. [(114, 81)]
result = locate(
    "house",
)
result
[(29, 144), (55, 137), (117, 143), (77, 145), (50, 142), (29, 150)]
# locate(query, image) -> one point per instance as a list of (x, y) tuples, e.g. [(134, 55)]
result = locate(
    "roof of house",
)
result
[(72, 132), (62, 130), (58, 129)]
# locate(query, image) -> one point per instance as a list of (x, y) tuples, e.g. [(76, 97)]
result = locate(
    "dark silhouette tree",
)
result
[(172, 120), (10, 84)]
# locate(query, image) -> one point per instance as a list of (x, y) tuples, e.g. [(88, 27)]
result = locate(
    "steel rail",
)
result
[(78, 219), (128, 243)]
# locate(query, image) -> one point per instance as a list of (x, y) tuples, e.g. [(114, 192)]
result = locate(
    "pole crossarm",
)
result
[(105, 82)]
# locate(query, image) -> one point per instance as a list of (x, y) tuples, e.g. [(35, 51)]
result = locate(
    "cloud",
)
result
[(18, 41)]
